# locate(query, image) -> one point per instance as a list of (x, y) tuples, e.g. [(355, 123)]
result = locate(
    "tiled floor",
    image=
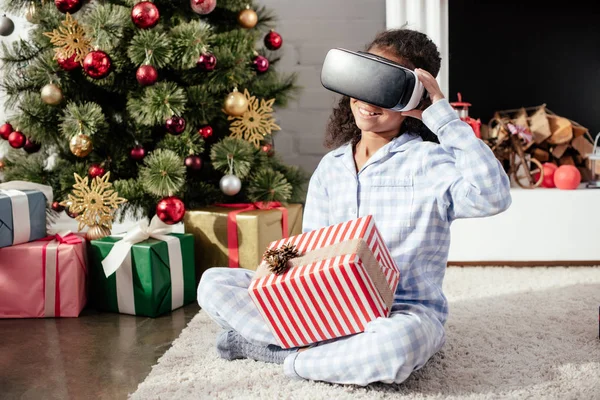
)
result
[(95, 356)]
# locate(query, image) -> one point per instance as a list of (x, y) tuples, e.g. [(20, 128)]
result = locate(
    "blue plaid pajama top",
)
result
[(414, 190)]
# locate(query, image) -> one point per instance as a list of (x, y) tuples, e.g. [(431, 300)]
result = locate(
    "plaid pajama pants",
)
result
[(388, 351)]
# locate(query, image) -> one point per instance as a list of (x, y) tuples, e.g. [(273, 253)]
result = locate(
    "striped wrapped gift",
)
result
[(344, 278)]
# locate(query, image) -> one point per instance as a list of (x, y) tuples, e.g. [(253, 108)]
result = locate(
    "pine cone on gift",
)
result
[(278, 258)]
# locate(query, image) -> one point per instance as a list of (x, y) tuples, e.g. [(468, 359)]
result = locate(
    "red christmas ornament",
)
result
[(175, 125), (70, 214), (137, 153), (145, 15), (268, 149), (206, 131), (31, 146), (567, 177), (170, 210), (96, 170), (193, 163), (549, 169), (57, 207), (146, 75), (16, 139), (273, 40), (5, 131), (68, 64), (68, 6), (97, 64), (261, 64), (207, 62), (203, 7)]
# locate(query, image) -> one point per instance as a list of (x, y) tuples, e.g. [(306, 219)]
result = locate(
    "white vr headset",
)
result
[(372, 79)]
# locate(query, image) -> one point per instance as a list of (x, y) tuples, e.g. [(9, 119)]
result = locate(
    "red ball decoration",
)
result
[(548, 181), (207, 62), (146, 75), (57, 207), (97, 64), (5, 131), (206, 131), (261, 64), (16, 139), (268, 149), (273, 40), (567, 177), (175, 125), (193, 163), (145, 15), (170, 210), (203, 7), (68, 64), (96, 170), (31, 146), (68, 6), (70, 214), (137, 153)]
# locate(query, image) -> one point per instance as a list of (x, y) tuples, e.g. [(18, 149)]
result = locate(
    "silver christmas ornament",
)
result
[(7, 26), (230, 185)]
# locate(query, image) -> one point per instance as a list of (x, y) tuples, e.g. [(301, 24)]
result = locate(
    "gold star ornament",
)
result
[(94, 204), (256, 123), (70, 39)]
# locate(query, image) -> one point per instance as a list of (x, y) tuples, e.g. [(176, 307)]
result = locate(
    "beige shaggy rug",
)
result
[(516, 333)]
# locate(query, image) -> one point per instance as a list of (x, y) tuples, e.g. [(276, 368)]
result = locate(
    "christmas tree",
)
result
[(174, 98)]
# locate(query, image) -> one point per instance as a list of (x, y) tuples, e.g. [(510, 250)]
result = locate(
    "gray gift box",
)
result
[(37, 217)]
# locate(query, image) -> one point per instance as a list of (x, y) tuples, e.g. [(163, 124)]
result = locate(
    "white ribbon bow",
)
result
[(23, 185), (119, 260), (142, 231)]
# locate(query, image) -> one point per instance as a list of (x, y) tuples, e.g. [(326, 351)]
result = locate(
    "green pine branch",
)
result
[(231, 151), (163, 173), (269, 185), (188, 41), (86, 118), (157, 104), (189, 142), (106, 24), (150, 47)]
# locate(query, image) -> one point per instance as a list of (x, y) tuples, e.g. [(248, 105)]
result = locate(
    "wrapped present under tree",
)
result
[(236, 235), (44, 278), (149, 271)]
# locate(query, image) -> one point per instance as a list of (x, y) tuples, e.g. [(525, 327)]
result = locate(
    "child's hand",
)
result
[(431, 86)]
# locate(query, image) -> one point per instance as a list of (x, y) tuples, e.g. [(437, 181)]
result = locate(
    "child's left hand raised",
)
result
[(431, 86)]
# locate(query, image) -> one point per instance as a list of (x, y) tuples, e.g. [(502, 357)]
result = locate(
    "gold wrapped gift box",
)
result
[(256, 230)]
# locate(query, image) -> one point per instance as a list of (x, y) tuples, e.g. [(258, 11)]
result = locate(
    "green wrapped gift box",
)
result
[(157, 276)]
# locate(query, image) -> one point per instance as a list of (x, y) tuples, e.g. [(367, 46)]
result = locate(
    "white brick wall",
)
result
[(309, 29)]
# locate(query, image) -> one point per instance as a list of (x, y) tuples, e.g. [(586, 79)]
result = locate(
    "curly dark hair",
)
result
[(417, 50)]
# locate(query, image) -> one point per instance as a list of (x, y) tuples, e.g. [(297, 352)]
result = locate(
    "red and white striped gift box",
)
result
[(344, 278)]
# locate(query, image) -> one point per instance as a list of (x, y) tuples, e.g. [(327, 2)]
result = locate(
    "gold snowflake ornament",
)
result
[(94, 205), (256, 123), (71, 40)]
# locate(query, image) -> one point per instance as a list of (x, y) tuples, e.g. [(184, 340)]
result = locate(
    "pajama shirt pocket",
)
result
[(392, 199)]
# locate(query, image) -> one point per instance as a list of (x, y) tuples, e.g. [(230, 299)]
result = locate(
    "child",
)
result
[(381, 165)]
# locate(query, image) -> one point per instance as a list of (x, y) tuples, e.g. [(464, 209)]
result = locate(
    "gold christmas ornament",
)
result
[(51, 94), (2, 165), (81, 145), (70, 39), (247, 18), (256, 122), (235, 104), (94, 204), (31, 13)]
